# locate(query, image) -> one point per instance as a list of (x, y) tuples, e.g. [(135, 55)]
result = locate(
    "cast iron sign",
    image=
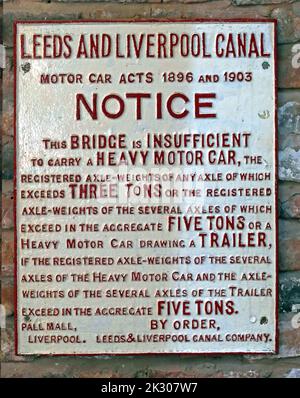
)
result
[(145, 187)]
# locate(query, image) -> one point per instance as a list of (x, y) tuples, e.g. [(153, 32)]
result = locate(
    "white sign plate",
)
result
[(146, 187)]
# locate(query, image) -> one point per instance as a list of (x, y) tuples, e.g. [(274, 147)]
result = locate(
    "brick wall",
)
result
[(288, 15)]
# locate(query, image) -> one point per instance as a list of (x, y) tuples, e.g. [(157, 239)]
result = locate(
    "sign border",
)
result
[(152, 20)]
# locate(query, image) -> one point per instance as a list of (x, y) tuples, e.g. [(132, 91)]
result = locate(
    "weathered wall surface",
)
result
[(288, 360)]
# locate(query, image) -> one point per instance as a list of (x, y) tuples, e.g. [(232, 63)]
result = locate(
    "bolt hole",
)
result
[(263, 320)]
